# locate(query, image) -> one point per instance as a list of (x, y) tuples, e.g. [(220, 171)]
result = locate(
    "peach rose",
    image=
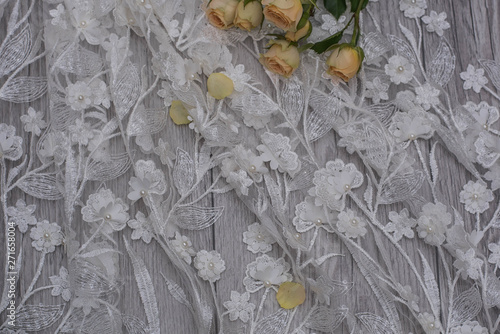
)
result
[(301, 33), (220, 13), (285, 14), (345, 61), (282, 58), (249, 16)]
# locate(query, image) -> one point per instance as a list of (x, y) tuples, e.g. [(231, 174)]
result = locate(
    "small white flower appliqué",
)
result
[(239, 307), (258, 239), (209, 264), (476, 197), (350, 224), (473, 78), (46, 236), (399, 69), (183, 247), (436, 22)]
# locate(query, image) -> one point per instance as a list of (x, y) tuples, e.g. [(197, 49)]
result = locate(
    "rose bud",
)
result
[(220, 13), (219, 86), (345, 61), (299, 34), (285, 14), (282, 58), (249, 16)]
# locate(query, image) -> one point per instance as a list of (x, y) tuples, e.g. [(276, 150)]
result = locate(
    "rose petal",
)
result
[(290, 295)]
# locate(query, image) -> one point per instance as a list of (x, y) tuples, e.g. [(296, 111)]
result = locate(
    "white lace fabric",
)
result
[(346, 187)]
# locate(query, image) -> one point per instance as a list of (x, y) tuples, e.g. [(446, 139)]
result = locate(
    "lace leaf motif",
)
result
[(15, 51), (195, 217), (37, 317), (146, 290), (183, 173)]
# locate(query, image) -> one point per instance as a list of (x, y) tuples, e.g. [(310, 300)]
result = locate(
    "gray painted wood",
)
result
[(474, 35)]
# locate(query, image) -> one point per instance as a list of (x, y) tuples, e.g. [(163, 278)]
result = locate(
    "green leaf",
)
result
[(335, 7), (305, 16), (323, 45), (356, 3), (305, 47)]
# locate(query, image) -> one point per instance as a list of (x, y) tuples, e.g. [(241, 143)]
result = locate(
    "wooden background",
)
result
[(474, 35)]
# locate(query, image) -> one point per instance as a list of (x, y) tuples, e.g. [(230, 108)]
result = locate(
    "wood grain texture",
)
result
[(474, 35)]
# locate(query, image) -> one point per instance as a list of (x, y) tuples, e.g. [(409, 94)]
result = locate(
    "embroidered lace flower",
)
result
[(10, 145), (427, 96), (165, 152), (333, 25), (184, 247), (333, 182), (147, 180), (487, 148), (54, 147), (79, 95), (308, 216), (100, 93), (88, 26), (411, 125), (58, 15), (400, 225), (237, 75), (266, 272), (399, 69), (46, 236), (469, 327), (483, 113), (209, 264), (104, 208), (323, 288), (142, 228), (476, 197), (436, 22), (250, 162), (473, 78), (62, 285), (236, 177), (432, 223), (468, 264), (377, 90), (239, 307), (99, 147), (350, 224), (413, 8), (22, 215), (430, 325), (33, 121), (81, 132), (258, 239), (276, 149)]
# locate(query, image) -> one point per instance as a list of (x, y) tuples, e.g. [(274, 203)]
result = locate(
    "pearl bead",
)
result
[(412, 136), (192, 76), (319, 221), (269, 25), (143, 193), (413, 1), (401, 68), (83, 24), (142, 2), (347, 187), (297, 236), (211, 265), (131, 21), (431, 325), (429, 229), (267, 284), (485, 126), (108, 216), (46, 235), (354, 222), (253, 168), (475, 196), (185, 244), (81, 97)]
